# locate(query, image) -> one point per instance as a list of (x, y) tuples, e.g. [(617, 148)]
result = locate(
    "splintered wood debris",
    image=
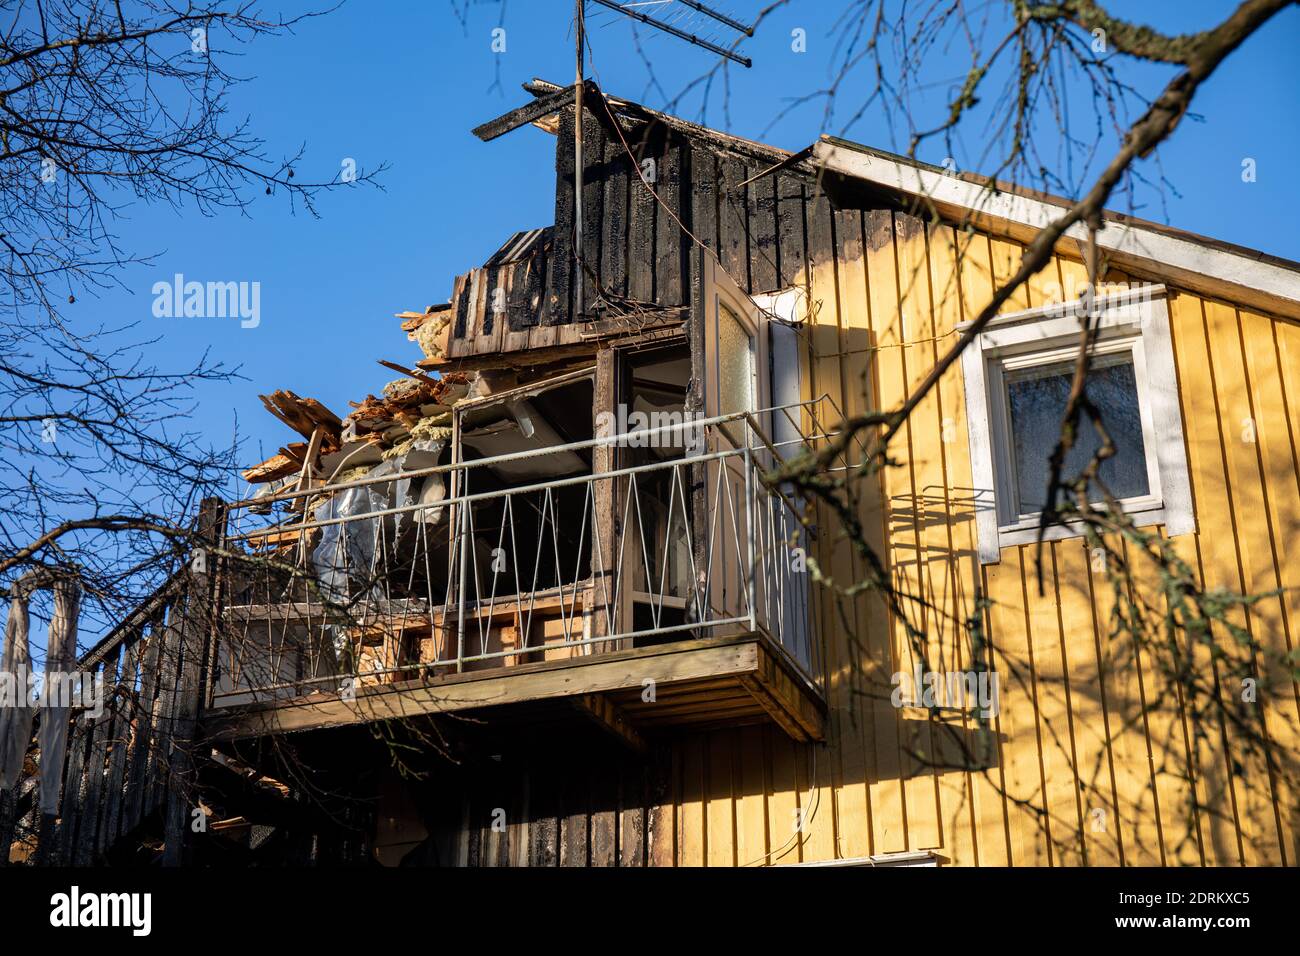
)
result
[(413, 408)]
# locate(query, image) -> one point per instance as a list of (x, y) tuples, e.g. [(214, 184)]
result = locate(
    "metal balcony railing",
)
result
[(476, 564)]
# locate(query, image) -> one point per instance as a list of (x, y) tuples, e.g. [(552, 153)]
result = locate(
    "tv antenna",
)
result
[(628, 9)]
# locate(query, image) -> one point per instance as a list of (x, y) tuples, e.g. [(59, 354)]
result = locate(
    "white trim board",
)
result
[(924, 858), (1199, 267)]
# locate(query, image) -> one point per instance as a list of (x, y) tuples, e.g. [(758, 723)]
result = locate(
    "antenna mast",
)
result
[(579, 28), (580, 31)]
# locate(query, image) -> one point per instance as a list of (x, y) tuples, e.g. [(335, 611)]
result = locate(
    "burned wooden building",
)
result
[(541, 602)]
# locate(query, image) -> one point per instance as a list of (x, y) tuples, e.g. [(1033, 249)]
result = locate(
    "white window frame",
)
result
[(1134, 322)]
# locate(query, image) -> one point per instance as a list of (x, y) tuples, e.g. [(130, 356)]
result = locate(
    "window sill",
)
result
[(1143, 516)]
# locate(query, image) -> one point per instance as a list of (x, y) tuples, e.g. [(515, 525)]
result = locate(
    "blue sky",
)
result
[(404, 82)]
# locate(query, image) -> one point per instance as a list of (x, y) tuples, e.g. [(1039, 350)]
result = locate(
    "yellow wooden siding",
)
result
[(1095, 761)]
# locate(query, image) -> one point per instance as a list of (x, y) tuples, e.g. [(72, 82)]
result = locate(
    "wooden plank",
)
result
[(1017, 725), (460, 324), (642, 211), (1257, 573), (73, 806), (751, 812), (1215, 555), (613, 243), (601, 711), (813, 224), (8, 813), (192, 646), (971, 805), (1277, 408), (788, 809), (889, 820), (496, 309), (1134, 774), (760, 203), (559, 285), (119, 744), (632, 790), (603, 610), (733, 220), (593, 214), (696, 719), (847, 665), (528, 113), (919, 524), (672, 245), (686, 703), (703, 210), (575, 821), (661, 830), (692, 836), (543, 826), (93, 809), (476, 299), (541, 681), (1051, 630), (1165, 813), (1280, 471), (719, 796), (790, 213), (156, 781), (1090, 755), (142, 734), (526, 298), (604, 814)]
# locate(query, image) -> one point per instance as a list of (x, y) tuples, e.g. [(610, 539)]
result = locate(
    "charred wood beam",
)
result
[(606, 715), (525, 114), (545, 105)]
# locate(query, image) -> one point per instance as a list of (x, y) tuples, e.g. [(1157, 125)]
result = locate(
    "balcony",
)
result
[(648, 580)]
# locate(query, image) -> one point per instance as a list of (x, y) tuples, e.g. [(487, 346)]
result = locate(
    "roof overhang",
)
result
[(1202, 265)]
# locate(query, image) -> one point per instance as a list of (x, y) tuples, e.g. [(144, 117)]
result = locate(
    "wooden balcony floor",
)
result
[(700, 684)]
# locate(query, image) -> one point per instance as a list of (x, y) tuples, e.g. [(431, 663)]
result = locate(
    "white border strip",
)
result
[(1163, 251)]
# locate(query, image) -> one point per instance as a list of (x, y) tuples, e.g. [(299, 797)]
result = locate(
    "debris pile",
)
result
[(410, 416)]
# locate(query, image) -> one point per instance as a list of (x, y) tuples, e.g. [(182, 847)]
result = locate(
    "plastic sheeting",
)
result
[(15, 717), (348, 561)]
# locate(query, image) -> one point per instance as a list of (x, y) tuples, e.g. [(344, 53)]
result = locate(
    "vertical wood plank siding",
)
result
[(1094, 760)]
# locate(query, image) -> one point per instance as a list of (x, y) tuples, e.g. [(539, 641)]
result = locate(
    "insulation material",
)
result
[(430, 338), (421, 448), (15, 720), (525, 430)]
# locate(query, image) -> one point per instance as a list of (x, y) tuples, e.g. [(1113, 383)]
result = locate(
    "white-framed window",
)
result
[(1017, 377)]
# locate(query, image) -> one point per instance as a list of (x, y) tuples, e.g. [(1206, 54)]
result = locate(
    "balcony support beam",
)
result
[(741, 662), (610, 717)]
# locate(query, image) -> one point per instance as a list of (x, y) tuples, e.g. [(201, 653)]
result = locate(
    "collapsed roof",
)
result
[(516, 310)]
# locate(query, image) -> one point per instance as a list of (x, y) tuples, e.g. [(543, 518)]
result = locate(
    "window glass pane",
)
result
[(735, 364), (1037, 398)]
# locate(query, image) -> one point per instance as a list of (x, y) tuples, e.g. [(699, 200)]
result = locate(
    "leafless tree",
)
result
[(104, 106)]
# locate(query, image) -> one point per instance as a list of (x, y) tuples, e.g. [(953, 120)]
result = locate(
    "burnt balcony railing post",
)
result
[(191, 646), (465, 544), (751, 583)]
